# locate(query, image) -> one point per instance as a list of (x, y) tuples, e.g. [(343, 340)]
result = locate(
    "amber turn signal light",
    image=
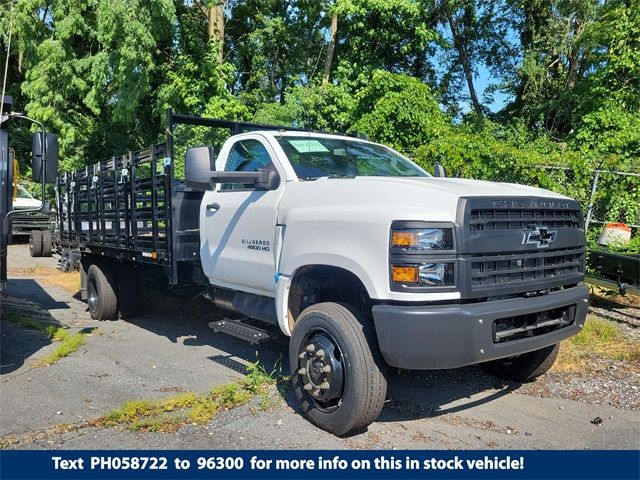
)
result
[(404, 239), (404, 274)]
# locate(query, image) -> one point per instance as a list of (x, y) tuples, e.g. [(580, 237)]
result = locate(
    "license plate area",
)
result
[(533, 324)]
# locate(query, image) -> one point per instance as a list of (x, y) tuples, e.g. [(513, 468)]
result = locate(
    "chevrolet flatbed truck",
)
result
[(359, 255)]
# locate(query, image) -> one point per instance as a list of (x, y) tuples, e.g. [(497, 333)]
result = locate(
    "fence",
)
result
[(592, 206)]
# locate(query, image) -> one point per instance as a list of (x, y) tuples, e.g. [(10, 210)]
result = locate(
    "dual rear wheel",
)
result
[(40, 243)]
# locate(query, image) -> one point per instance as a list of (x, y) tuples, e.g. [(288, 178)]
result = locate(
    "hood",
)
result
[(24, 203), (462, 187), (392, 198)]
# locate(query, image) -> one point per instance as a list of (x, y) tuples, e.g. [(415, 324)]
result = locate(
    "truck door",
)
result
[(238, 222)]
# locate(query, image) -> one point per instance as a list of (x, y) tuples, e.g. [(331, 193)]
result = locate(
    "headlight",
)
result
[(422, 239), (424, 275), (422, 256)]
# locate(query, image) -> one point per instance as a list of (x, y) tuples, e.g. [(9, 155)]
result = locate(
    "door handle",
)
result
[(213, 207)]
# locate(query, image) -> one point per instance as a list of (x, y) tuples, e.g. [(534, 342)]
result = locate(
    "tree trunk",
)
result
[(272, 70), (216, 26), (332, 46), (574, 56), (464, 60)]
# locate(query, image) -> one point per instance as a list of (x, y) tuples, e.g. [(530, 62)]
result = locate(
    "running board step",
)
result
[(238, 329)]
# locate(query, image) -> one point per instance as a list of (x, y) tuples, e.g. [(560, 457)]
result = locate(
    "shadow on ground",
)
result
[(184, 320), (19, 340)]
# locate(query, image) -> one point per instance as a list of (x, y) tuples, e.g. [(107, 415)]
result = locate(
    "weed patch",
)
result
[(68, 343), (171, 413), (598, 338)]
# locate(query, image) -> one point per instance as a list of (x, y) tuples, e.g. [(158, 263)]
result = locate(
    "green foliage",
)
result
[(610, 106), (398, 110), (321, 107), (101, 73), (172, 413), (387, 34), (495, 152)]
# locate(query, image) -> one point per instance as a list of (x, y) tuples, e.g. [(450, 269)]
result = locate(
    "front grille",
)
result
[(518, 245), (520, 219), (514, 267), (26, 221), (532, 324)]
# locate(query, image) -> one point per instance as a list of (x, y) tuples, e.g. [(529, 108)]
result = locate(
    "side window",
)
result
[(246, 156)]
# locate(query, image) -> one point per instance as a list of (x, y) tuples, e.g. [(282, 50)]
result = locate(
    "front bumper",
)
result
[(451, 336)]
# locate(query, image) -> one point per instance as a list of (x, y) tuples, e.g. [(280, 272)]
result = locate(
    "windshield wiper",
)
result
[(345, 175)]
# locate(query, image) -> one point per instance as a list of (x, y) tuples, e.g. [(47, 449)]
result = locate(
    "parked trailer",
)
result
[(351, 249)]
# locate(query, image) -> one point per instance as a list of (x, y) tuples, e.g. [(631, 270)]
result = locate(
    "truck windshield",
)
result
[(315, 157), (23, 193)]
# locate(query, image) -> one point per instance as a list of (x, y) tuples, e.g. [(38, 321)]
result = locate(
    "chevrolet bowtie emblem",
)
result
[(541, 237)]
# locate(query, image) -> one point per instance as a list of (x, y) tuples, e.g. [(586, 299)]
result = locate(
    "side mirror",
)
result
[(272, 180), (439, 170), (40, 146), (199, 167)]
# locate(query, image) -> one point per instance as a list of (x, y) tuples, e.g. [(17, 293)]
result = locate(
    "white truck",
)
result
[(359, 255)]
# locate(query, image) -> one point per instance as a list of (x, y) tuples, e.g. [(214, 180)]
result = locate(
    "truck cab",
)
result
[(445, 272)]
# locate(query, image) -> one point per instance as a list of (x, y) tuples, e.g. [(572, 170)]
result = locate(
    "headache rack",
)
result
[(136, 206)]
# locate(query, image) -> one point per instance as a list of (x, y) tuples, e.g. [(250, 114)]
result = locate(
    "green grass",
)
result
[(171, 413), (598, 338), (28, 322), (68, 343)]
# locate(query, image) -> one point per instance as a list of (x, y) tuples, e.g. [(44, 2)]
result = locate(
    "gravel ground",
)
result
[(610, 382)]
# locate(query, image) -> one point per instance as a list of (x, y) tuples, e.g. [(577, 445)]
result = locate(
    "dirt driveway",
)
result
[(170, 349)]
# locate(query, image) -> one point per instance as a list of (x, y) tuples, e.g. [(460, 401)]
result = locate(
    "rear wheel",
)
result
[(35, 243), (525, 367), (336, 368), (47, 243), (101, 293)]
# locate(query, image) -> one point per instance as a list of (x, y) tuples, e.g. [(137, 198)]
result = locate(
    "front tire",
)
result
[(101, 293), (525, 367), (336, 368)]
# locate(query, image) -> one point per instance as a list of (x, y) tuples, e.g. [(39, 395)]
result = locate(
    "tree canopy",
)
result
[(405, 72)]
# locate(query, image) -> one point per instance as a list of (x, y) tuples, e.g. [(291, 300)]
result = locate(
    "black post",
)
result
[(6, 187)]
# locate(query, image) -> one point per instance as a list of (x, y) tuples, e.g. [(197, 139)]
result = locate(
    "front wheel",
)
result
[(525, 367), (336, 368)]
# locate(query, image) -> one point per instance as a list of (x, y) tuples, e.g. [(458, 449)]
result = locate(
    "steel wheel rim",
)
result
[(321, 370), (92, 297)]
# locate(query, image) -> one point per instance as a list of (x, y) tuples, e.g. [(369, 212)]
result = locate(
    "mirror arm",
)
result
[(44, 164), (261, 176)]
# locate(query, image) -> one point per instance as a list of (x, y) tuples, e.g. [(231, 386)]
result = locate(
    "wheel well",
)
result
[(322, 283)]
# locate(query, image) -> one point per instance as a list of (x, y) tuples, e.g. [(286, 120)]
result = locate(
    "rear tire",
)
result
[(101, 293), (47, 243), (349, 395), (525, 367), (35, 243)]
